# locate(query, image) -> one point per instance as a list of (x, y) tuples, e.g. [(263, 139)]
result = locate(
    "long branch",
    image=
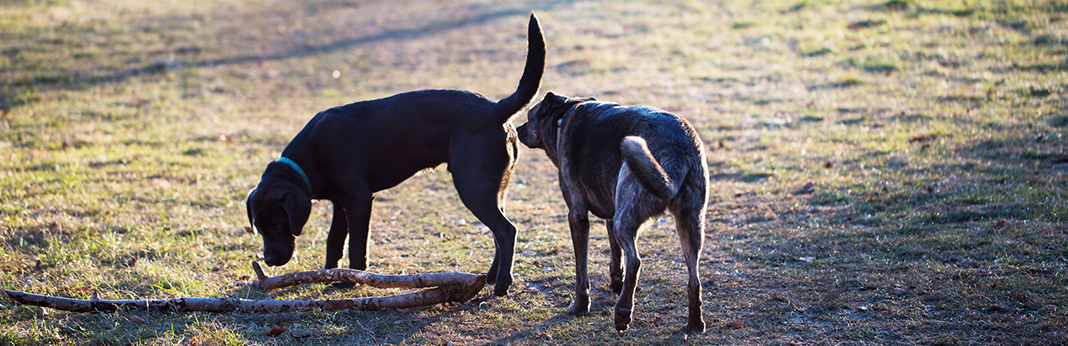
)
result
[(421, 298), (449, 287)]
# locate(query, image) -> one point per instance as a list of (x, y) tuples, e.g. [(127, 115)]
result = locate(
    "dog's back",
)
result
[(598, 134)]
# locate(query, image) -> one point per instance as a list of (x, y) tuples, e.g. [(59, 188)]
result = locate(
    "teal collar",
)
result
[(296, 167)]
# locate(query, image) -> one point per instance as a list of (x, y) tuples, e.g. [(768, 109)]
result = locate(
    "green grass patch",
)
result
[(882, 172)]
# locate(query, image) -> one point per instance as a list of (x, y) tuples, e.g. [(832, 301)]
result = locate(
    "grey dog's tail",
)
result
[(531, 80), (645, 167)]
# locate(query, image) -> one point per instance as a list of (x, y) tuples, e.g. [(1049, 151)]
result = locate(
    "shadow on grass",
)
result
[(183, 57)]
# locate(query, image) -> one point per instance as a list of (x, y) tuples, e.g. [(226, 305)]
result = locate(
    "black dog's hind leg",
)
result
[(484, 206), (481, 180)]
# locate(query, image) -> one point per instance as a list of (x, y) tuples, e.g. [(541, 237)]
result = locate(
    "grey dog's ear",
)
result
[(297, 207), (551, 98), (248, 207)]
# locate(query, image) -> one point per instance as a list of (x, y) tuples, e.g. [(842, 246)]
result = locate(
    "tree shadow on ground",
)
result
[(182, 53)]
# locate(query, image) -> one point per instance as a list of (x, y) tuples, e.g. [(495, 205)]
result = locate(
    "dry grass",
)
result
[(884, 172)]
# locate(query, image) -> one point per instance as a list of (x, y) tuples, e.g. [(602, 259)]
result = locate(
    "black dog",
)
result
[(345, 154), (625, 165)]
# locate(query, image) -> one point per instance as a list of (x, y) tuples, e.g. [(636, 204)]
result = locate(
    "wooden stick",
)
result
[(364, 278), (422, 298), (450, 287)]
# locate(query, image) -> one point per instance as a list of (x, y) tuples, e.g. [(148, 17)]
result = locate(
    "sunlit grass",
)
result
[(877, 166)]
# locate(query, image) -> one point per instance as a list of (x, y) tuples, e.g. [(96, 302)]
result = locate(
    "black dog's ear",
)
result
[(297, 207), (248, 207)]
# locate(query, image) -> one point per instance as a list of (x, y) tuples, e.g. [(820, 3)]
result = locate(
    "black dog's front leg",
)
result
[(358, 214), (350, 219), (335, 240)]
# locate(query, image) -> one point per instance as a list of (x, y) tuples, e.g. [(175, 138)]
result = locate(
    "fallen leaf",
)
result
[(135, 318), (863, 308), (1020, 298), (42, 312), (806, 259), (1040, 137), (789, 195), (736, 324), (828, 164), (1000, 224), (132, 262), (276, 331), (808, 187)]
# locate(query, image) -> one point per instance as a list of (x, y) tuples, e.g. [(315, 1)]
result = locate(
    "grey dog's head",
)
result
[(544, 120), (277, 210)]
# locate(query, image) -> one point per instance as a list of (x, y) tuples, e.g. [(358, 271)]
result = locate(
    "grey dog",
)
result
[(625, 165)]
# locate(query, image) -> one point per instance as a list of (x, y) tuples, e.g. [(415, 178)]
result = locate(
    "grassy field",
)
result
[(883, 172)]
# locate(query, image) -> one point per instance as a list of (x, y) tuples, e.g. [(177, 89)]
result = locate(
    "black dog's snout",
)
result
[(276, 258)]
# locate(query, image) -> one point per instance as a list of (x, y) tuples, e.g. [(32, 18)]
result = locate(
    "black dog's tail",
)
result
[(645, 167), (531, 80)]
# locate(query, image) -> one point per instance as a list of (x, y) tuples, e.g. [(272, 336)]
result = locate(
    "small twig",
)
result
[(259, 270)]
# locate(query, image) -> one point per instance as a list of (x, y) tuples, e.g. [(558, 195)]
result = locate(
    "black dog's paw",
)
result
[(579, 307), (695, 327), (500, 290), (343, 285)]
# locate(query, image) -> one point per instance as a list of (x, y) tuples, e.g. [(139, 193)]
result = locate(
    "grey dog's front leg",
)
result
[(578, 219)]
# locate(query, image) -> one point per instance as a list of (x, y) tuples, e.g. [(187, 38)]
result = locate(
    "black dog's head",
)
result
[(544, 122), (278, 210)]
